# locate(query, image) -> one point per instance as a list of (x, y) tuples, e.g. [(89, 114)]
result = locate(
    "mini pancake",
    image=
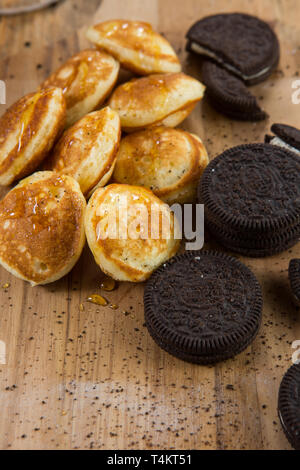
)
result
[(28, 130), (42, 227), (88, 150), (167, 161), (130, 251), (86, 79), (136, 46), (157, 99)]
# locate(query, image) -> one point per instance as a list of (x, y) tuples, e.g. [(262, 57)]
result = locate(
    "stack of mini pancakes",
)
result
[(70, 130)]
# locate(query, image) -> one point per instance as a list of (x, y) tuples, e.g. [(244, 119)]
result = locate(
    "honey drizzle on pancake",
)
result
[(26, 118), (33, 206)]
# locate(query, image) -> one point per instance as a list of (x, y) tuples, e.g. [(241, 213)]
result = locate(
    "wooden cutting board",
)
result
[(82, 376)]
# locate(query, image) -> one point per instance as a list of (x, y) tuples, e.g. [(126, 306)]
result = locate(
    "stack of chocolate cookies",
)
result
[(239, 50), (251, 195)]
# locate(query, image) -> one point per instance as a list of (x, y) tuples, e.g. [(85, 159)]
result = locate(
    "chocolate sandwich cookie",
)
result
[(285, 136), (258, 247), (245, 45), (251, 195), (289, 405), (229, 95), (294, 277), (203, 307)]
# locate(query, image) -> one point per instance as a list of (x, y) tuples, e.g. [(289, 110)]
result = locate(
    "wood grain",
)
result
[(92, 377)]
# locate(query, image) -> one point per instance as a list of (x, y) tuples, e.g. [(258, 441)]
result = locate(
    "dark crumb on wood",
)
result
[(229, 387)]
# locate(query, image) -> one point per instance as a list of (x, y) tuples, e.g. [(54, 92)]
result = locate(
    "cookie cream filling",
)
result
[(280, 143), (203, 51)]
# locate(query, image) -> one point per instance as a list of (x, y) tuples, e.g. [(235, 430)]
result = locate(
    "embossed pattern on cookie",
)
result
[(203, 307), (254, 186), (251, 195), (243, 44)]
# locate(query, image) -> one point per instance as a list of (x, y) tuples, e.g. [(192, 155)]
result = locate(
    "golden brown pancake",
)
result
[(86, 79), (167, 161), (28, 131), (42, 227), (88, 150), (157, 99), (130, 251), (136, 46)]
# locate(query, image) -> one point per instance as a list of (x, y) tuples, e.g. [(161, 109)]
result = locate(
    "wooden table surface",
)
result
[(82, 376)]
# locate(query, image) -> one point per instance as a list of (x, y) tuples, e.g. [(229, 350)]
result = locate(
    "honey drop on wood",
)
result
[(108, 284), (98, 300)]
